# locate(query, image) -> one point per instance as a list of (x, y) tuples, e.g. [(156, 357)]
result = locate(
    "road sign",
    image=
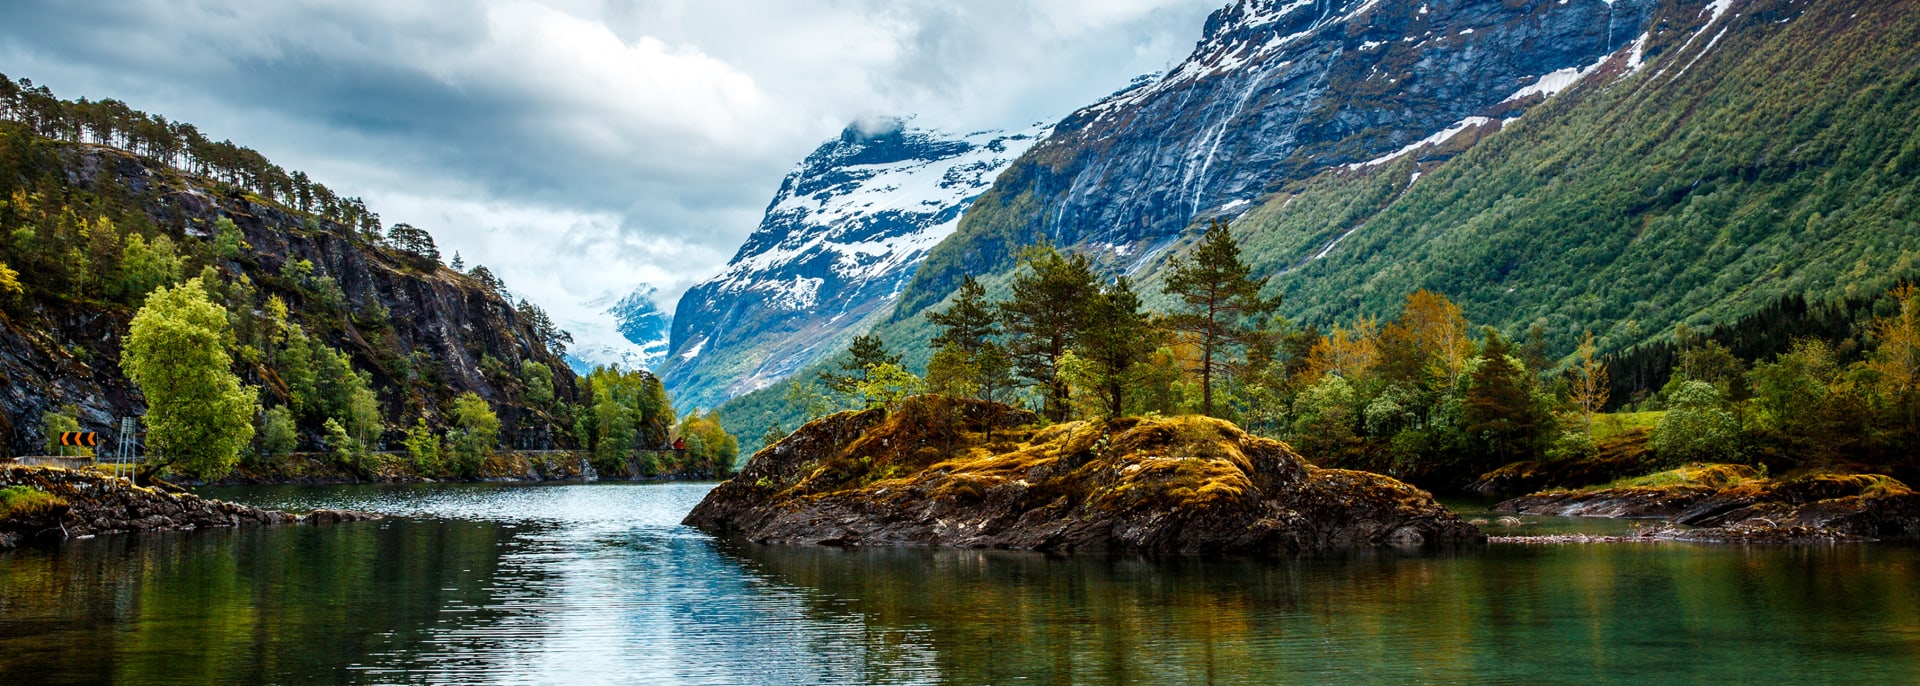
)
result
[(84, 438)]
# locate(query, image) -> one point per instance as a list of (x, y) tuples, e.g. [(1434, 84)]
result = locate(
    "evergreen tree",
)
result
[(1500, 407), (966, 353), (1045, 318), (1220, 299), (1118, 336), (866, 353), (969, 322)]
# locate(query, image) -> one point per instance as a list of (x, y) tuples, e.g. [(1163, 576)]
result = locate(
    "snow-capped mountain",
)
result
[(1276, 92), (842, 236), (637, 338)]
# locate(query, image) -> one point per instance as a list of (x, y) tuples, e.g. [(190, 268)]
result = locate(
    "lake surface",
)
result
[(598, 583)]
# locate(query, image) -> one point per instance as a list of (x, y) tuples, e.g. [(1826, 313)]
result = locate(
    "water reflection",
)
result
[(599, 584)]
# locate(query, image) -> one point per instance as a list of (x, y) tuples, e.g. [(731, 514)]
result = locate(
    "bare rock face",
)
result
[(940, 472), (90, 503)]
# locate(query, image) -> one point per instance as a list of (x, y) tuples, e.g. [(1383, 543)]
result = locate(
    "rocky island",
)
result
[(1739, 504), (965, 473)]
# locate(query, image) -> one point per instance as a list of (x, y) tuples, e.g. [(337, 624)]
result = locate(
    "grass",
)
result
[(1714, 476), (25, 501), (1617, 424)]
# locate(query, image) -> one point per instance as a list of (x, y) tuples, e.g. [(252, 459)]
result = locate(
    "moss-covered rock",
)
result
[(943, 472), (62, 503), (1739, 503)]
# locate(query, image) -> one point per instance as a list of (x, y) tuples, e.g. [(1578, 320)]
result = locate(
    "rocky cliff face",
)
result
[(421, 330), (938, 472), (846, 230), (1276, 91)]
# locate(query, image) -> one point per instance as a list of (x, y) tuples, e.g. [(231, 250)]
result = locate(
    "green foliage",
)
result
[(55, 422), (1044, 318), (475, 432), (145, 266), (537, 377), (198, 415), (1222, 302), (423, 447), (1501, 407), (278, 434), (26, 501), (628, 411), (856, 367), (1118, 338), (227, 241), (1697, 426), (886, 384), (710, 449)]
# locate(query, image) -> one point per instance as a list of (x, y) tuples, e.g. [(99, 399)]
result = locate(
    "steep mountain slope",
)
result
[(846, 230), (1721, 154), (642, 329), (421, 332), (1276, 91), (1764, 148)]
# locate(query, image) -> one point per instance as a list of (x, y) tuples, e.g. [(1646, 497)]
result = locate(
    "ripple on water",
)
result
[(600, 584)]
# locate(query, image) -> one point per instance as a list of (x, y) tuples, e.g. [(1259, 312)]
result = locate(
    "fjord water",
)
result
[(598, 583)]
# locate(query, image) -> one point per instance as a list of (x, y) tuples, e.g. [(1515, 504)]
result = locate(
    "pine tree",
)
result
[(1117, 337), (969, 322), (1045, 318), (1499, 406), (968, 357), (1220, 299), (865, 353)]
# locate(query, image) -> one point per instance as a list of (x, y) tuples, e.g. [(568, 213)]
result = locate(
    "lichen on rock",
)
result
[(963, 473)]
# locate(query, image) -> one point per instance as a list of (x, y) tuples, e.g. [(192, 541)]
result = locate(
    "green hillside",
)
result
[(1731, 169)]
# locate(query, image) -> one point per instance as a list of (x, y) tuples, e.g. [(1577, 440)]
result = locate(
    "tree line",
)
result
[(178, 144), (1426, 395)]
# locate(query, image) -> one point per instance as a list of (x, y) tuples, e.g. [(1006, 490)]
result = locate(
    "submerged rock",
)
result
[(962, 473), (1734, 503), (87, 503)]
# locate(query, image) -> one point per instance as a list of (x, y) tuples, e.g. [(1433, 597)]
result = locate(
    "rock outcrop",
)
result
[(89, 503), (422, 331), (1739, 505), (939, 472)]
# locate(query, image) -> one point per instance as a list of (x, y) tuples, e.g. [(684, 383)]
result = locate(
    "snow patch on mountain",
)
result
[(840, 239), (635, 338)]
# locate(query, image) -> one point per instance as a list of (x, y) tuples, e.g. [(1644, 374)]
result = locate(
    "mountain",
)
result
[(1620, 167), (638, 337), (845, 231), (1274, 92), (320, 300)]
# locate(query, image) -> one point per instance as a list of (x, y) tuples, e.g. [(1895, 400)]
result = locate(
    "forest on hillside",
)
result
[(289, 292)]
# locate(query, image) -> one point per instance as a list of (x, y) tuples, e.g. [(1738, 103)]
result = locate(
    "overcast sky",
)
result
[(582, 149)]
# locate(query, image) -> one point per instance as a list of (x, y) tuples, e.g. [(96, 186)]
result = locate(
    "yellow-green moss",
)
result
[(26, 501)]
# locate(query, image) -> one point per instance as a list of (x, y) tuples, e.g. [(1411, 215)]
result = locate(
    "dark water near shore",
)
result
[(599, 584)]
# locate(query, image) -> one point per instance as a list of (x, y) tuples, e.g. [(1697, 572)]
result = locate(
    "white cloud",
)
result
[(582, 147)]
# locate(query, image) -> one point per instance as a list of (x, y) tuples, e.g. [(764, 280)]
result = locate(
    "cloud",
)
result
[(584, 148)]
